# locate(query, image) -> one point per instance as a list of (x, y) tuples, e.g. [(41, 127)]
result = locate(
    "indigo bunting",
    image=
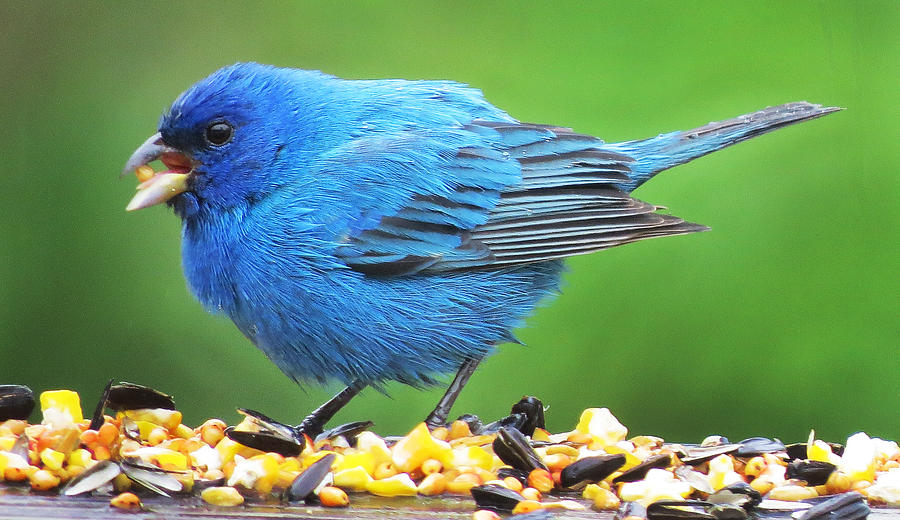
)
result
[(378, 230)]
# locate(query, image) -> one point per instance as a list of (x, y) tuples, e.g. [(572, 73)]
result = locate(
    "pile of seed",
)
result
[(511, 466)]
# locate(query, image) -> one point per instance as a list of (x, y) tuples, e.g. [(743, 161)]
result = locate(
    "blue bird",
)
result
[(378, 230)]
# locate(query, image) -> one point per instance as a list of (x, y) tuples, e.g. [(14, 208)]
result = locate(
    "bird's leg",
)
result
[(315, 422), (438, 417)]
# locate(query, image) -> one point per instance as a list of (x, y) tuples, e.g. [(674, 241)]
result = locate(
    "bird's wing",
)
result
[(491, 194)]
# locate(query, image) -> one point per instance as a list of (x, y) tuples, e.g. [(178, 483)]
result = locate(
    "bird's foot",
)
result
[(436, 419), (311, 426)]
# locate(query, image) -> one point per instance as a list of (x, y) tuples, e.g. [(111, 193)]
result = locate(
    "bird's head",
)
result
[(219, 141)]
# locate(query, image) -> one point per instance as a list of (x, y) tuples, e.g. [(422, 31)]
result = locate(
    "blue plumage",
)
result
[(381, 230)]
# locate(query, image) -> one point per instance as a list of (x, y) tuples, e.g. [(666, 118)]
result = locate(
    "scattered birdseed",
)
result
[(149, 450)]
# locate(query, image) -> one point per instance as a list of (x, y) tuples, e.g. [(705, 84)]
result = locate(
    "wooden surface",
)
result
[(18, 504)]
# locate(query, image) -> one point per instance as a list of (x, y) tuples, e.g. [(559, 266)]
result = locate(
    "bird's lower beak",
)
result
[(157, 187)]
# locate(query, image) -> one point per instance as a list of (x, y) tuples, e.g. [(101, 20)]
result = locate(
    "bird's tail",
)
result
[(667, 150)]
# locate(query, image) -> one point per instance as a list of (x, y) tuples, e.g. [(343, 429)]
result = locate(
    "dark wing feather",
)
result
[(569, 202), (566, 200)]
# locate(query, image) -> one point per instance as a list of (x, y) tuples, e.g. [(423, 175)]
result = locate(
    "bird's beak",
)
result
[(157, 187)]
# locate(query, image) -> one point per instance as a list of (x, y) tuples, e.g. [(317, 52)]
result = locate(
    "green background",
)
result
[(783, 318)]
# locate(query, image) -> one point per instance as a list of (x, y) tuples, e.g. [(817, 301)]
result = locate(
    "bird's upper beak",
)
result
[(157, 187)]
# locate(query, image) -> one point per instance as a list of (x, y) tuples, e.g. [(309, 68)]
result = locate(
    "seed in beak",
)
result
[(144, 172)]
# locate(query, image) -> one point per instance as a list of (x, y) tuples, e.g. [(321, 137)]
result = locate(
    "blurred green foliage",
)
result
[(783, 318)]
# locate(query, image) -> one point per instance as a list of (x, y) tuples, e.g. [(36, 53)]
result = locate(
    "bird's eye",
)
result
[(219, 133)]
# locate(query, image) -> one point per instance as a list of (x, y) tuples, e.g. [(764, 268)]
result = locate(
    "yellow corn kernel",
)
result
[(277, 457), (144, 172), (531, 494), (556, 461), (838, 482), (384, 470), (353, 459), (432, 485), (177, 444), (285, 478), (721, 472), (126, 501), (397, 485), (11, 460), (126, 446), (371, 443), (74, 471), (631, 460), (183, 431), (858, 459), (513, 483), (754, 467), (819, 451), (441, 433), (315, 457), (43, 480), (13, 427), (430, 466), (540, 434), (861, 486), (792, 493), (474, 440), (258, 472), (290, 464), (577, 437), (107, 434), (471, 456), (66, 406), (647, 441), (659, 484), (562, 448), (52, 459), (603, 499), (888, 465), (222, 496), (171, 460), (354, 479), (144, 428), (331, 496), (569, 505), (6, 443), (463, 483), (214, 474), (16, 474), (212, 431), (762, 484), (417, 446), (602, 425), (484, 474), (102, 453), (227, 449), (168, 419), (89, 437), (157, 436), (590, 491), (541, 480), (459, 429), (526, 506)]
